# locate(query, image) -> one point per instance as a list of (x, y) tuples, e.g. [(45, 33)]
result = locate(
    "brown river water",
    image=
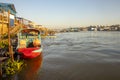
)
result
[(76, 56)]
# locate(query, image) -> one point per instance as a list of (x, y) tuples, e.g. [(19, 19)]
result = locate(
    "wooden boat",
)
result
[(29, 43)]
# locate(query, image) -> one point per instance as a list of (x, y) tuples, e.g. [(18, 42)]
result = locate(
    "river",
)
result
[(76, 56)]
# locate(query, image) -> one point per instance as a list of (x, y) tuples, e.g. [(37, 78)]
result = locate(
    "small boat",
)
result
[(29, 43), (51, 36)]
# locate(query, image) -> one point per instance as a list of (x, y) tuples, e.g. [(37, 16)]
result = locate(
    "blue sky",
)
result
[(68, 13)]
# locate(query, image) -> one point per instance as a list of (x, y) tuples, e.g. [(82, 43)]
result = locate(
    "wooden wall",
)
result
[(3, 28)]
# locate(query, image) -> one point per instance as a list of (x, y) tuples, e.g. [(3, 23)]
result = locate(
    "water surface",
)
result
[(76, 56), (81, 56)]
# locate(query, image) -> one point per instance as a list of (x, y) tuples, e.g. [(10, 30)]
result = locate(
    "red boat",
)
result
[(29, 43)]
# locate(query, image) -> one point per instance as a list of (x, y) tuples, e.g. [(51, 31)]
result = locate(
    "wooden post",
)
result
[(2, 23), (9, 41), (22, 24)]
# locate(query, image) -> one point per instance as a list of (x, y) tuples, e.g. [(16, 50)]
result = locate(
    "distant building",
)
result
[(24, 22), (92, 28), (32, 24), (38, 26), (115, 27)]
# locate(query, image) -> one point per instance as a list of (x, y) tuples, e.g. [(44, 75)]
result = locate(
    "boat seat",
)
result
[(36, 42), (22, 43)]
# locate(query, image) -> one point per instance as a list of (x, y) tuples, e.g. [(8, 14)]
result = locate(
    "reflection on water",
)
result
[(76, 56), (31, 69)]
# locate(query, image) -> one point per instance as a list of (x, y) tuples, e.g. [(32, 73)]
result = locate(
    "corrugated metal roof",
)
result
[(8, 6)]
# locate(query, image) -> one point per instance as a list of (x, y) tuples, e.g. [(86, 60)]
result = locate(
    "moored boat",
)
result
[(29, 43), (51, 36)]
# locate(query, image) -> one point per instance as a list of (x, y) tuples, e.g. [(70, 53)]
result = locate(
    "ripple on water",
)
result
[(74, 56)]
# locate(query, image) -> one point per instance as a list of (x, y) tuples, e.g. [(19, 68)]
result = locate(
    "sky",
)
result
[(68, 13)]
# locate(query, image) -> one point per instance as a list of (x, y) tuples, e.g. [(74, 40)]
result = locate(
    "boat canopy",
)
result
[(29, 30)]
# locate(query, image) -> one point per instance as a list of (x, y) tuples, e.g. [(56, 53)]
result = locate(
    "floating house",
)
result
[(16, 23), (26, 23), (4, 8)]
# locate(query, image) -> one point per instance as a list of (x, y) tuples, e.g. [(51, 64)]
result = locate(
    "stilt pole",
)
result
[(9, 40)]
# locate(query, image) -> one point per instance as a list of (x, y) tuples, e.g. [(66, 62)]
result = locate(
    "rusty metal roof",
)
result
[(8, 6)]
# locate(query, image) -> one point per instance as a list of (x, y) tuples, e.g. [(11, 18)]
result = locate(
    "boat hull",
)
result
[(29, 52)]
